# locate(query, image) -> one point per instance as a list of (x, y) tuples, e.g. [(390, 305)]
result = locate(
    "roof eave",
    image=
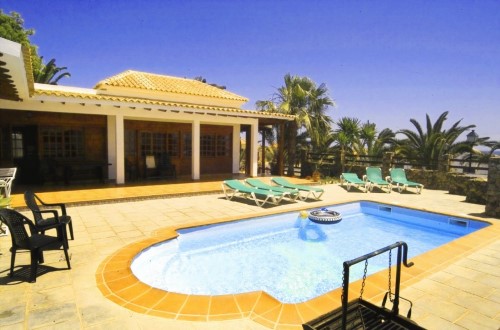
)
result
[(16, 75), (64, 94)]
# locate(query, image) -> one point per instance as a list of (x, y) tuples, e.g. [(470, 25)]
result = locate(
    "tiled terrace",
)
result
[(456, 286)]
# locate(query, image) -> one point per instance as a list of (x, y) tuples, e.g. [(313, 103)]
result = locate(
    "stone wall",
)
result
[(493, 193), (473, 188), (430, 179)]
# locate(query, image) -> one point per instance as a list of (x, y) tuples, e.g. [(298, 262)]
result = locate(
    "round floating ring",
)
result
[(325, 216)]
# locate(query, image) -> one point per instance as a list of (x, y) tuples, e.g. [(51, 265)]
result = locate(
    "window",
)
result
[(130, 143), (159, 143), (173, 144), (154, 143), (17, 145), (215, 145), (52, 143), (146, 143), (207, 146), (62, 143), (223, 145), (188, 147), (73, 144)]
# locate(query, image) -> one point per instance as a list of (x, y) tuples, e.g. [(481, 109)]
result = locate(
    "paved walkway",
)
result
[(461, 292)]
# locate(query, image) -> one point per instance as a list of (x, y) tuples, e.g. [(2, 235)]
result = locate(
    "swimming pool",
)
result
[(289, 257)]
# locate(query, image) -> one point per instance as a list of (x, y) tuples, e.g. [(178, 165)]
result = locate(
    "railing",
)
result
[(472, 167), (332, 164), (364, 160), (321, 158)]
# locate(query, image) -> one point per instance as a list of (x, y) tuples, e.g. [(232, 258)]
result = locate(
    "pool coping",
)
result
[(117, 283)]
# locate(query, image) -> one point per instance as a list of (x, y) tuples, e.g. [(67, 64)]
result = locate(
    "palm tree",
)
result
[(318, 124), (385, 141), (493, 145), (348, 133), (362, 139), (50, 74), (431, 145), (476, 155), (367, 136), (301, 98), (374, 143)]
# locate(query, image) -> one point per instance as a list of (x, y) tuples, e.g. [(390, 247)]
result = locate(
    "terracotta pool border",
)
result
[(117, 283)]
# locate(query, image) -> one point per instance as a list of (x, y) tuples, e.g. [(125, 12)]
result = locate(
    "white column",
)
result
[(236, 148), (254, 148), (195, 156), (116, 148)]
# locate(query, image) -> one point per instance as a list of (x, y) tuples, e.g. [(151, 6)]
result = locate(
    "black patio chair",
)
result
[(34, 242), (45, 223)]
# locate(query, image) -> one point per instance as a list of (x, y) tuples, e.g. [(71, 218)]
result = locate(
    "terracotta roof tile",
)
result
[(161, 83)]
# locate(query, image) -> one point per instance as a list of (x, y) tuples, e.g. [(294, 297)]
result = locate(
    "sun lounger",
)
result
[(352, 179), (234, 188), (374, 177), (398, 177), (292, 193), (310, 191)]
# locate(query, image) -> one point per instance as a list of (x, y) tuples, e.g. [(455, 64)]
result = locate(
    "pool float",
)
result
[(325, 216)]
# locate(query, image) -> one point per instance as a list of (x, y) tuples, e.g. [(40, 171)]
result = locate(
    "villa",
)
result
[(122, 127)]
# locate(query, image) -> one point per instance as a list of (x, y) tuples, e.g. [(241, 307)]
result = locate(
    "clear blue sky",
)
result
[(383, 61)]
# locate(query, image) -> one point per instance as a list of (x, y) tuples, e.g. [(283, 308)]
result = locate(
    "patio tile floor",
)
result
[(453, 287)]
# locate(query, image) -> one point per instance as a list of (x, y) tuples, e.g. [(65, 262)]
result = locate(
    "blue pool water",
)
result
[(291, 258)]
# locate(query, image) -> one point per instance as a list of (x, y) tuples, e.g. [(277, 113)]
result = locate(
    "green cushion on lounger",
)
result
[(351, 179), (293, 193), (236, 187), (313, 191), (398, 177), (374, 176)]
